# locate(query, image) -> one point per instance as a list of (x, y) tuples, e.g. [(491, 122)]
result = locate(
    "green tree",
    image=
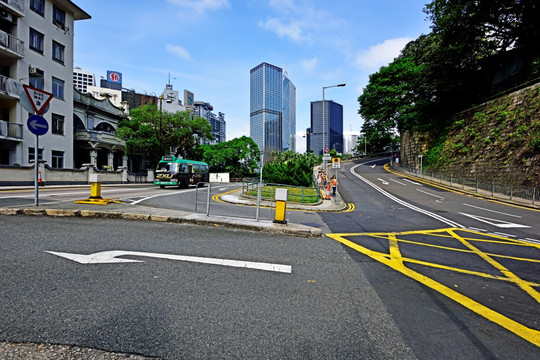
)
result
[(153, 133), (290, 168), (239, 157)]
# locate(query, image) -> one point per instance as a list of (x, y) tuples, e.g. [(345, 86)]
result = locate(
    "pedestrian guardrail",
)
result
[(510, 192), (298, 194)]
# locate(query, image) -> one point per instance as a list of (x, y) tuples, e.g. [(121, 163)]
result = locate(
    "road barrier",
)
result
[(523, 194)]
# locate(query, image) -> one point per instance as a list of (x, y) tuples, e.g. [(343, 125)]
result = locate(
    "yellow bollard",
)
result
[(95, 186), (95, 192), (281, 205)]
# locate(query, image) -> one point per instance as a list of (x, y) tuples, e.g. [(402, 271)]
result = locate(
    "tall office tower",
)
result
[(333, 127), (272, 109)]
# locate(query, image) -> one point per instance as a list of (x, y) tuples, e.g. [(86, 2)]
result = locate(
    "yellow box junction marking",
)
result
[(396, 261)]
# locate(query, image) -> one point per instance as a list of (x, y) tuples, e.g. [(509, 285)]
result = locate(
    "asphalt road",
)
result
[(412, 271), (323, 308), (458, 274)]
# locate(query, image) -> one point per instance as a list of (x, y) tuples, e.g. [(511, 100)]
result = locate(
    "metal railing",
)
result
[(206, 192), (10, 129), (299, 194), (12, 43), (524, 194)]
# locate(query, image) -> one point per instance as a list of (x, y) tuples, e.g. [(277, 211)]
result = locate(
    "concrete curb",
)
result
[(196, 219)]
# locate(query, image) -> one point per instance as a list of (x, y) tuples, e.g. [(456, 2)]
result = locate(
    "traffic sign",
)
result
[(37, 125), (336, 160), (336, 163), (38, 98)]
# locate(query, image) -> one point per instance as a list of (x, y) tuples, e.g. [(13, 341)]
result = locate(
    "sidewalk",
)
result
[(145, 213)]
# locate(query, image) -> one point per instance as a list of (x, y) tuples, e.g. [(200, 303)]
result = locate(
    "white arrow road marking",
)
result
[(372, 166), (495, 222), (110, 257), (384, 182)]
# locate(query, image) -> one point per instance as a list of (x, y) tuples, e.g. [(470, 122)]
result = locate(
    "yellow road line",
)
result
[(518, 281), (396, 262)]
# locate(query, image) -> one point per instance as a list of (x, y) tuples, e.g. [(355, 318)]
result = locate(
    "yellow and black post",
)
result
[(281, 205)]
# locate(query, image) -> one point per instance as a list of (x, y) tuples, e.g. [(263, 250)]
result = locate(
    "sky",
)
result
[(209, 47)]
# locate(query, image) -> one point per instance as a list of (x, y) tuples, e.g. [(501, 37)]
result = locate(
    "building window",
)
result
[(57, 124), (38, 6), (57, 159), (58, 88), (58, 52), (36, 41), (59, 17), (36, 79), (31, 155)]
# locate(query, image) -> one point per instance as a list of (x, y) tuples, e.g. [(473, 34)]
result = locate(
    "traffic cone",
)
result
[(327, 192), (39, 179)]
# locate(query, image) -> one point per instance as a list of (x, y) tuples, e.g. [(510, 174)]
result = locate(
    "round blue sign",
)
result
[(37, 125)]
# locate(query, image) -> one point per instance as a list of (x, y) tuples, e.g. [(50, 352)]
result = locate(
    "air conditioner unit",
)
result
[(6, 15), (33, 71)]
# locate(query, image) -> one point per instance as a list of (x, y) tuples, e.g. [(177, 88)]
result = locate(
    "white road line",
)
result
[(406, 204), (493, 211), (399, 182), (163, 194), (477, 229), (503, 234), (412, 182), (430, 194)]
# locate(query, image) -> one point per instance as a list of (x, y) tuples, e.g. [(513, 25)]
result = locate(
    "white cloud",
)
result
[(178, 51), (309, 64), (201, 6), (381, 54), (292, 30)]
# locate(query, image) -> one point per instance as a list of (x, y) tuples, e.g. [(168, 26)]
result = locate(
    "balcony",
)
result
[(11, 131), (103, 138), (9, 88), (15, 6), (11, 46)]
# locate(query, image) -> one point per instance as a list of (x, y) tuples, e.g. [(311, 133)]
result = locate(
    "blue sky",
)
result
[(209, 47)]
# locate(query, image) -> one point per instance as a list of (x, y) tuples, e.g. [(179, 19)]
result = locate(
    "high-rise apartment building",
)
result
[(82, 79), (204, 110), (332, 130), (272, 109), (36, 49)]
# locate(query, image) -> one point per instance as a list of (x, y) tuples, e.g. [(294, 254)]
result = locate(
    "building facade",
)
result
[(272, 109), (204, 110), (82, 79), (333, 127), (95, 125), (36, 49)]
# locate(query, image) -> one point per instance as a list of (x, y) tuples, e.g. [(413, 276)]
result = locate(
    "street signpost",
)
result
[(37, 125)]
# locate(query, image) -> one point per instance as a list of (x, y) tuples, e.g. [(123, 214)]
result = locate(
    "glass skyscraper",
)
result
[(333, 127), (272, 109)]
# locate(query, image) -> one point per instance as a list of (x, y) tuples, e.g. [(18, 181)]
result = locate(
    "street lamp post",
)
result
[(323, 117)]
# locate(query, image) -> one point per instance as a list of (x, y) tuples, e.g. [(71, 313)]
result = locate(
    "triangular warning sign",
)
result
[(38, 98)]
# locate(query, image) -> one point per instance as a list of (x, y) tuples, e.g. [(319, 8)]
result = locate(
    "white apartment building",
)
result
[(82, 79), (36, 48)]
